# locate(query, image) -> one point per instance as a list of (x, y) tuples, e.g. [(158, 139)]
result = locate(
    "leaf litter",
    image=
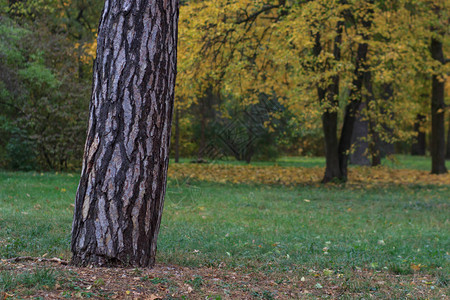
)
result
[(178, 282)]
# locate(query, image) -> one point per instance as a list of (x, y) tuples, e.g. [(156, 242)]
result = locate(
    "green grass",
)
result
[(38, 278), (270, 228), (275, 227), (394, 161), (36, 213)]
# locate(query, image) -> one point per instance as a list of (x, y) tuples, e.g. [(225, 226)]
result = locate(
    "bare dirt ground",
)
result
[(176, 282)]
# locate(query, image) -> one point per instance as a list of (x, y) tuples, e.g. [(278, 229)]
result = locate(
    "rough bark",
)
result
[(419, 145), (120, 197), (437, 113)]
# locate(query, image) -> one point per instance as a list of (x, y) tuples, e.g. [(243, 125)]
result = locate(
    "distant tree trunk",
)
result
[(448, 142), (360, 135), (202, 144), (329, 99), (177, 135), (355, 97), (352, 107), (386, 147), (374, 143), (120, 197), (437, 114), (205, 110), (419, 145)]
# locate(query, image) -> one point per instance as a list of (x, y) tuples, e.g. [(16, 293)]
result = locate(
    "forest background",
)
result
[(256, 80)]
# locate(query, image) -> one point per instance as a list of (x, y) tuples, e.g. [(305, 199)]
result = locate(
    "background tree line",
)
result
[(256, 79)]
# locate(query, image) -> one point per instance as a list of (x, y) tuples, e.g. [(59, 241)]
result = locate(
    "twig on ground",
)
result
[(30, 258)]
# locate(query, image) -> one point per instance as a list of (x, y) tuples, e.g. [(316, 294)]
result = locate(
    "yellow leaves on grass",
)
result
[(296, 176)]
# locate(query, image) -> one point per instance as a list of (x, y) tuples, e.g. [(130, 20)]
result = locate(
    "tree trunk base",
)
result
[(96, 260), (105, 261), (333, 177)]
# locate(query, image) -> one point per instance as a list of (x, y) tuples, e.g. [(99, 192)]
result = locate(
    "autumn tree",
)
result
[(120, 197), (316, 57)]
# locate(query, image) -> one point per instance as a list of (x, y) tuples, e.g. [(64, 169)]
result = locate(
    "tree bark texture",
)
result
[(437, 114), (419, 145), (120, 197)]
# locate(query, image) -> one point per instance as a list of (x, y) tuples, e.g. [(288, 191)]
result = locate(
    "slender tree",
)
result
[(447, 156), (419, 145), (120, 197), (329, 99), (437, 113), (177, 135), (355, 97)]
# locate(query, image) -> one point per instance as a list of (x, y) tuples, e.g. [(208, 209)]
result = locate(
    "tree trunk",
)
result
[(386, 147), (120, 197), (374, 141), (359, 155), (448, 142), (177, 135), (351, 109), (332, 170), (355, 96), (419, 145), (437, 114), (329, 99)]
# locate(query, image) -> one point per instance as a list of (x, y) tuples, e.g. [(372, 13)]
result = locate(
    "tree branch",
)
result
[(253, 16)]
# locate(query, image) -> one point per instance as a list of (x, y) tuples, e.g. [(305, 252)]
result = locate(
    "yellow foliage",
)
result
[(232, 47), (297, 176)]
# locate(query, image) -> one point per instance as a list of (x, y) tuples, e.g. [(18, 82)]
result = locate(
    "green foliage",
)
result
[(38, 78), (20, 152), (43, 112), (10, 39)]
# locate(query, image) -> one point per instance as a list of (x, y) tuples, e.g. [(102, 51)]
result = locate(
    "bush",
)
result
[(20, 153)]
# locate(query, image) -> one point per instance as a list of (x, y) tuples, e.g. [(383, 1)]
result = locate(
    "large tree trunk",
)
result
[(419, 145), (437, 114), (120, 197)]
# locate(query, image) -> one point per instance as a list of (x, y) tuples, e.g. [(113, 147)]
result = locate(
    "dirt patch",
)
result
[(176, 282)]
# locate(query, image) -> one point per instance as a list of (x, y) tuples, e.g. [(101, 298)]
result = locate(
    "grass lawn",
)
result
[(395, 162), (323, 237)]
